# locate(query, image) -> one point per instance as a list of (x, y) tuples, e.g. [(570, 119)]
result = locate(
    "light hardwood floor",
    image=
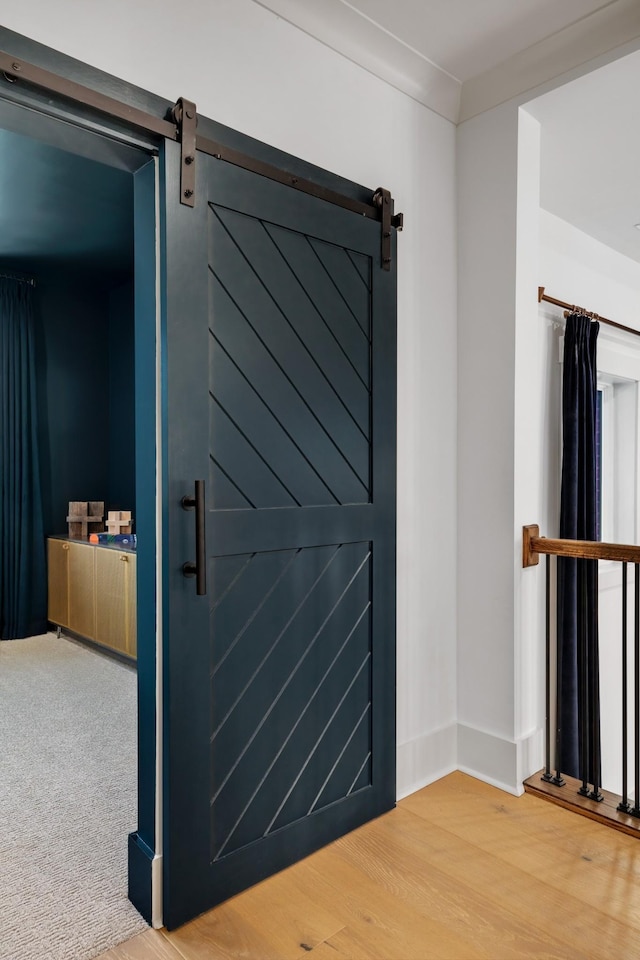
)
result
[(459, 870)]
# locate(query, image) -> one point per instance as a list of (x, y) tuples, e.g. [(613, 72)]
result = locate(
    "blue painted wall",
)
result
[(122, 441), (68, 221), (85, 394), (72, 352)]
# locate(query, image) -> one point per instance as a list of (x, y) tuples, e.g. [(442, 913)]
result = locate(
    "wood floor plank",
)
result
[(297, 919), (358, 943), (585, 862), (150, 945), (374, 915), (534, 821), (293, 919), (330, 950), (459, 871), (556, 910), (478, 897), (221, 934)]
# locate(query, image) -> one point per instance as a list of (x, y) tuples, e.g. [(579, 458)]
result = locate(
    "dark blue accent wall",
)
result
[(85, 363), (73, 231), (122, 441), (73, 392)]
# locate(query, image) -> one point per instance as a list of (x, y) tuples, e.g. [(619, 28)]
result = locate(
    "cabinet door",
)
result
[(58, 575), (111, 584), (82, 590), (130, 595)]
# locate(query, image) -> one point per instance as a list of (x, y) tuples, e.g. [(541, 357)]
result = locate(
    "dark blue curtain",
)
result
[(578, 676), (23, 586)]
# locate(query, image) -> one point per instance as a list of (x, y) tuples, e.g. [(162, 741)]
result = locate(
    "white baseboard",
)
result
[(502, 763), (425, 759)]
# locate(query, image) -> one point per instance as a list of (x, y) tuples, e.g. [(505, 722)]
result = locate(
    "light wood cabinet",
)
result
[(82, 590), (116, 599), (92, 591), (58, 565)]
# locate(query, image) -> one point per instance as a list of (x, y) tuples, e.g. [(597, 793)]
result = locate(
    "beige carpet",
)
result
[(67, 800)]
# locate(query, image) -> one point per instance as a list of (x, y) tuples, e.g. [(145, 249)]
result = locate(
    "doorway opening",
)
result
[(74, 230)]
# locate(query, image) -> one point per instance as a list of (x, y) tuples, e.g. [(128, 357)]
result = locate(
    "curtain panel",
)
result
[(23, 586), (577, 633)]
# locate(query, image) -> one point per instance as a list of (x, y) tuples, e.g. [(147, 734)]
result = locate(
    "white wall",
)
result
[(487, 154), (531, 436), (509, 438), (576, 268), (250, 70), (498, 195), (509, 430)]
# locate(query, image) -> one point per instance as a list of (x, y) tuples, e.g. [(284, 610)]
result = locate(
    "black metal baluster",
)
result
[(558, 779), (636, 658), (547, 776), (624, 804), (593, 664), (583, 726)]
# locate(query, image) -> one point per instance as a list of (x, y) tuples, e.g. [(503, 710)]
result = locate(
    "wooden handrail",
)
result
[(533, 545)]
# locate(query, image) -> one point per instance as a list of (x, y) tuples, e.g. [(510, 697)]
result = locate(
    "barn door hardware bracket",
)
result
[(384, 201), (185, 116)]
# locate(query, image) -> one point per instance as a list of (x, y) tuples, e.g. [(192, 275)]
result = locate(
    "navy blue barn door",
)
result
[(280, 397)]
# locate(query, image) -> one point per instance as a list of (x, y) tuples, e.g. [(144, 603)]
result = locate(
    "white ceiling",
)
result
[(460, 57)]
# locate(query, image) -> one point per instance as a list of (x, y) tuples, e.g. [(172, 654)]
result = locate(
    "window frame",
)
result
[(619, 380)]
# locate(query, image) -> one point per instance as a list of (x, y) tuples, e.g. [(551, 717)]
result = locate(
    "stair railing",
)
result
[(533, 545)]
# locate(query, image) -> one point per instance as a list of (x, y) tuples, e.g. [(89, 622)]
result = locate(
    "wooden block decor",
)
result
[(119, 521), (85, 517)]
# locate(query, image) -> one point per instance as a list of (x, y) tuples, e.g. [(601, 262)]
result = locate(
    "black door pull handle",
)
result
[(199, 568)]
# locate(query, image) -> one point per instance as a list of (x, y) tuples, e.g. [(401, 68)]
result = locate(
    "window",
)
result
[(617, 447), (617, 437)]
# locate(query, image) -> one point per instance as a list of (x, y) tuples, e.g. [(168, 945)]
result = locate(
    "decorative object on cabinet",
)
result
[(119, 521), (128, 540), (84, 514), (92, 592)]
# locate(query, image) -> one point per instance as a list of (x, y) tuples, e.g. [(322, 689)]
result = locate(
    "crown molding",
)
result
[(348, 32), (610, 29)]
